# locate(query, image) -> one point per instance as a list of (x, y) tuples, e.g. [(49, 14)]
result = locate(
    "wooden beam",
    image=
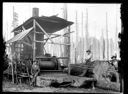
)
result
[(34, 43), (39, 41), (23, 28), (57, 57), (64, 35), (60, 34), (43, 30), (52, 37), (69, 60), (62, 57), (39, 32), (26, 43), (53, 43), (12, 72), (58, 43), (46, 41), (52, 34), (68, 33)]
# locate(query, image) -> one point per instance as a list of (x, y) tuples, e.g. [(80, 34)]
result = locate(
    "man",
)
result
[(35, 70), (88, 60), (56, 62), (114, 61), (88, 57)]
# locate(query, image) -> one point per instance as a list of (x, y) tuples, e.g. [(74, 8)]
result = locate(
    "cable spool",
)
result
[(47, 65)]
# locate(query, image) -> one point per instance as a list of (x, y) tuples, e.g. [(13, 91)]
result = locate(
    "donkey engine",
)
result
[(50, 63)]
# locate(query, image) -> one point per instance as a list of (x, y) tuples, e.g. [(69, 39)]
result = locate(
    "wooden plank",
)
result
[(85, 78), (52, 34), (58, 43), (34, 43), (69, 61), (68, 33), (53, 43), (79, 81), (23, 28), (62, 57), (58, 35), (52, 37), (26, 43), (12, 72), (45, 42), (39, 32), (76, 52), (57, 57), (38, 41), (43, 31), (51, 71)]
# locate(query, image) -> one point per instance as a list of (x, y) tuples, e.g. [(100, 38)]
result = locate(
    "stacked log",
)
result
[(100, 68), (108, 85), (77, 69), (102, 71)]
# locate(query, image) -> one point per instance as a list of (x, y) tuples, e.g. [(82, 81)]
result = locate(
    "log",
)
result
[(103, 70), (42, 82), (108, 85), (78, 69), (81, 81)]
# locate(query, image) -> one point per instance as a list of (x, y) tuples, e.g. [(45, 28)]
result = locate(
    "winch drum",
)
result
[(47, 65)]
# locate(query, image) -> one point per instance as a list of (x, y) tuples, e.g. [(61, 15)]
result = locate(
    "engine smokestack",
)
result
[(35, 12)]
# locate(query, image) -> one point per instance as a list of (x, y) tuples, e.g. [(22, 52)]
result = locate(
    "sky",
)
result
[(96, 15), (96, 18)]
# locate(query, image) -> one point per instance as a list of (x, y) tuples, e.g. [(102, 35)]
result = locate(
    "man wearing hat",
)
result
[(88, 57), (34, 71), (114, 61)]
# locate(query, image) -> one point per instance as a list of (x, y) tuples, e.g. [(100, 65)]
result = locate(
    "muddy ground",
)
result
[(8, 86)]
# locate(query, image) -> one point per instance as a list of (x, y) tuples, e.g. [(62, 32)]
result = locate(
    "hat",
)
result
[(88, 51), (113, 57)]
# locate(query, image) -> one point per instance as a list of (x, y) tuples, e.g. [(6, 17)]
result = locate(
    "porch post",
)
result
[(34, 42), (12, 68), (69, 59)]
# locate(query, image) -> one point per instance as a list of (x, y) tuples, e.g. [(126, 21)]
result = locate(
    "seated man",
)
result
[(114, 61), (88, 57), (88, 60), (35, 67), (34, 71)]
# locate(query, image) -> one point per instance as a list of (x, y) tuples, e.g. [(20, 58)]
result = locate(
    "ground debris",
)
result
[(108, 85), (10, 87)]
